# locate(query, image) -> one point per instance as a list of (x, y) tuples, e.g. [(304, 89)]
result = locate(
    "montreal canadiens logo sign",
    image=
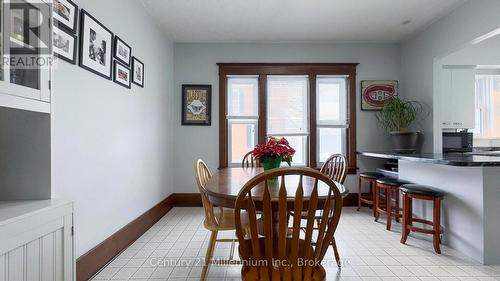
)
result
[(377, 95)]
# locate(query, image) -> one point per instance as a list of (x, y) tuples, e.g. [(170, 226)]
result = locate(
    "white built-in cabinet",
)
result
[(458, 98), (36, 241), (25, 41)]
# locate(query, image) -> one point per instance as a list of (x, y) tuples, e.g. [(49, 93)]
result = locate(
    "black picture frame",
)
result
[(72, 27), (71, 60), (207, 89), (136, 62), (116, 43), (84, 16), (115, 78)]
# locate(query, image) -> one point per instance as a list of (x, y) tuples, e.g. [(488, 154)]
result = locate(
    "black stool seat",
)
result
[(392, 181), (371, 175), (418, 189)]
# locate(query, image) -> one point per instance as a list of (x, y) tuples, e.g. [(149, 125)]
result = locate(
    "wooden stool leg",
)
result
[(388, 197), (436, 224), (372, 193), (208, 256), (376, 198), (397, 209), (359, 193), (336, 252), (410, 214), (404, 233)]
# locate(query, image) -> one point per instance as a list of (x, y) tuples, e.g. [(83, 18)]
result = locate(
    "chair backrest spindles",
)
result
[(335, 168), (249, 161), (277, 243), (203, 175)]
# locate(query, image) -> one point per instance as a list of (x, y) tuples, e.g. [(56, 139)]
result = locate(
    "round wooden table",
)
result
[(224, 186)]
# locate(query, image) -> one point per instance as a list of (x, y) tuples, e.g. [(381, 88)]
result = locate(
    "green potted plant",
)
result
[(397, 116)]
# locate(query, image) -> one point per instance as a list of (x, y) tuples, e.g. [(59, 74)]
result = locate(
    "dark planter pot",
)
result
[(405, 141)]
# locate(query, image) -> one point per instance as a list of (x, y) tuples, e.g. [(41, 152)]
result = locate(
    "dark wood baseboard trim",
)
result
[(91, 262), (187, 200)]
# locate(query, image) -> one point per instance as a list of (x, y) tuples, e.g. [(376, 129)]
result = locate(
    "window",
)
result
[(487, 107), (309, 104), (287, 113), (243, 116), (331, 115)]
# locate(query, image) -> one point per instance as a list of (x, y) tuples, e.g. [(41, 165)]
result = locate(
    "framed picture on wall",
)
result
[(65, 14), (196, 105), (375, 93), (122, 51), (95, 46), (64, 45), (121, 75), (137, 72)]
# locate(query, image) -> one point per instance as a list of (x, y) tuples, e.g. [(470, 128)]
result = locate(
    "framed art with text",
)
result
[(196, 105), (375, 93)]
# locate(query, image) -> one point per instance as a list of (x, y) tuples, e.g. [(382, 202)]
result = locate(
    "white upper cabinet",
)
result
[(457, 93), (25, 50)]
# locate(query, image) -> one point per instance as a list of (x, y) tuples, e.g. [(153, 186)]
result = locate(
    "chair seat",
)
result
[(250, 269), (419, 189), (371, 175), (225, 219), (392, 181)]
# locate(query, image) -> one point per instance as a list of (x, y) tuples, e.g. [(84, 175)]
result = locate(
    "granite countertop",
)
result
[(451, 159)]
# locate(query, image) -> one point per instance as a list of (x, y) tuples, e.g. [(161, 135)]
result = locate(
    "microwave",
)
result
[(457, 142)]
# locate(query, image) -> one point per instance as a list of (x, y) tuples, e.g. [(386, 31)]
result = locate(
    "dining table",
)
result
[(224, 186)]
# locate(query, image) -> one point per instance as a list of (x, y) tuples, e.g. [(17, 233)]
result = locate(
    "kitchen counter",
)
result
[(451, 159), (470, 208)]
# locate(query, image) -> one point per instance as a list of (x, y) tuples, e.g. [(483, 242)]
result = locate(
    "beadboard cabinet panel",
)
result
[(37, 245)]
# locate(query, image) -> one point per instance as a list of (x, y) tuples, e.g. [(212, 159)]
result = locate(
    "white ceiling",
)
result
[(295, 20)]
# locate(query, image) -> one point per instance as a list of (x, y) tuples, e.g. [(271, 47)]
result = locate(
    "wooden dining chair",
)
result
[(249, 161), (216, 218), (335, 167), (278, 255)]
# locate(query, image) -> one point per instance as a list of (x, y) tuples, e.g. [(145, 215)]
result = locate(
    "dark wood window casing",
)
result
[(312, 70)]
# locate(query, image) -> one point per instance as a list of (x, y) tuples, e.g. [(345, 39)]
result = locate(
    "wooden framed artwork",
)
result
[(375, 93), (65, 14), (121, 75), (196, 105), (122, 51), (137, 72), (95, 46), (64, 45)]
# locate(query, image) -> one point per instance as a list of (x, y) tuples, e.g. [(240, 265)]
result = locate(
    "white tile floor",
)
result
[(173, 249)]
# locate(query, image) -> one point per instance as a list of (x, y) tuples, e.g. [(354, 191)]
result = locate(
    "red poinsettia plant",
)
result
[(274, 151)]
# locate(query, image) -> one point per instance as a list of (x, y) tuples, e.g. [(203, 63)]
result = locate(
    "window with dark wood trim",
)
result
[(260, 73)]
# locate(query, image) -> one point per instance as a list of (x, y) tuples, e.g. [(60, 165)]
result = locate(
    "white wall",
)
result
[(196, 63), (112, 147), (419, 54)]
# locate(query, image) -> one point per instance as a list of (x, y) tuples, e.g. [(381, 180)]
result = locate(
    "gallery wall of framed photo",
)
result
[(99, 50)]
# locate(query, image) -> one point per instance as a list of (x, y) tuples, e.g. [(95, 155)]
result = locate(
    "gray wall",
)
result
[(24, 155), (196, 63), (419, 53), (112, 147)]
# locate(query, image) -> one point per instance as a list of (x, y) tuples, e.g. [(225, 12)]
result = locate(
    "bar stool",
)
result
[(370, 178), (422, 192), (388, 185)]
